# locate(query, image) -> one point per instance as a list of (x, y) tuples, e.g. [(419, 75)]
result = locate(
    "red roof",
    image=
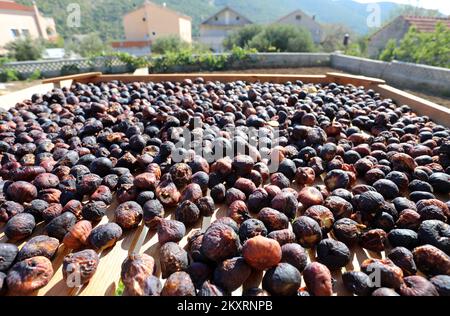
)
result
[(131, 44), (12, 6), (426, 24)]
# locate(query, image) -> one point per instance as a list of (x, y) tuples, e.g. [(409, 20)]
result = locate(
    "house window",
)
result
[(238, 18), (26, 33), (154, 33), (216, 18), (298, 17), (15, 33), (144, 19)]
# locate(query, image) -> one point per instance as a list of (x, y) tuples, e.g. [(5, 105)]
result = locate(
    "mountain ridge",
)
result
[(105, 16)]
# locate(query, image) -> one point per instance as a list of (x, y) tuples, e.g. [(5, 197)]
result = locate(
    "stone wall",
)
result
[(398, 74), (55, 68)]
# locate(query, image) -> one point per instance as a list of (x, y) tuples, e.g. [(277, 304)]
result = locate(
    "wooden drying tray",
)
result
[(141, 240), (438, 113)]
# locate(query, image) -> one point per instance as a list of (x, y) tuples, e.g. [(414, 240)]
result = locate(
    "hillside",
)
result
[(104, 16)]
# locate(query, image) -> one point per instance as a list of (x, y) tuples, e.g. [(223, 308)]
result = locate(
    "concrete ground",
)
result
[(9, 87), (445, 101)]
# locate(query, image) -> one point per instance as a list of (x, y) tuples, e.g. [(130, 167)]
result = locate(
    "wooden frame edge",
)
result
[(209, 76), (67, 80), (421, 106), (354, 79), (437, 113)]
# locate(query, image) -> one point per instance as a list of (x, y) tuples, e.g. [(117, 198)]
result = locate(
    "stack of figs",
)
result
[(308, 175)]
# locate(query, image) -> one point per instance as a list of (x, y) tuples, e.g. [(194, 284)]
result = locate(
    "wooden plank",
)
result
[(77, 77), (11, 99), (211, 77), (341, 78), (438, 113), (105, 280)]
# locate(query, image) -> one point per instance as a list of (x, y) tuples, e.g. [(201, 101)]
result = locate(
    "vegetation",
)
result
[(421, 48), (59, 43), (7, 75), (173, 44), (272, 38), (72, 69), (106, 15), (36, 75), (358, 47), (243, 36), (25, 49), (201, 61), (413, 11), (388, 54), (88, 45), (133, 62), (333, 37), (169, 44)]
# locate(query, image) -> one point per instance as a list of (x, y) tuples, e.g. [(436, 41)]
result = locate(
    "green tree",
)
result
[(389, 52), (242, 37), (169, 44), (431, 48), (23, 49), (89, 45), (282, 38), (435, 49)]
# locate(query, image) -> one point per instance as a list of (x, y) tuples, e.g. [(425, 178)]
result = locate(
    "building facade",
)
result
[(301, 19), (18, 21), (398, 28), (217, 27), (150, 22)]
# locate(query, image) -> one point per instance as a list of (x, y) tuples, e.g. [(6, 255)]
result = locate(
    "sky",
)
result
[(441, 5)]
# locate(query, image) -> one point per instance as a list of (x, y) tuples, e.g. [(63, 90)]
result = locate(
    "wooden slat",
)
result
[(354, 79), (78, 77), (11, 99), (419, 105), (107, 276)]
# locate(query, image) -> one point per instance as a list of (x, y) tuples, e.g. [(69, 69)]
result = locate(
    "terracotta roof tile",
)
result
[(127, 44), (12, 6), (426, 24)]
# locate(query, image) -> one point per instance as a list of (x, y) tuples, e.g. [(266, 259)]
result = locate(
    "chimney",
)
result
[(39, 22)]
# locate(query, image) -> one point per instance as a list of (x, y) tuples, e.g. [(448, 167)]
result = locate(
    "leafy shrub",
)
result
[(133, 62), (36, 75), (202, 61), (23, 49), (89, 45), (169, 44), (272, 38), (243, 36), (68, 70), (388, 54), (7, 75)]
